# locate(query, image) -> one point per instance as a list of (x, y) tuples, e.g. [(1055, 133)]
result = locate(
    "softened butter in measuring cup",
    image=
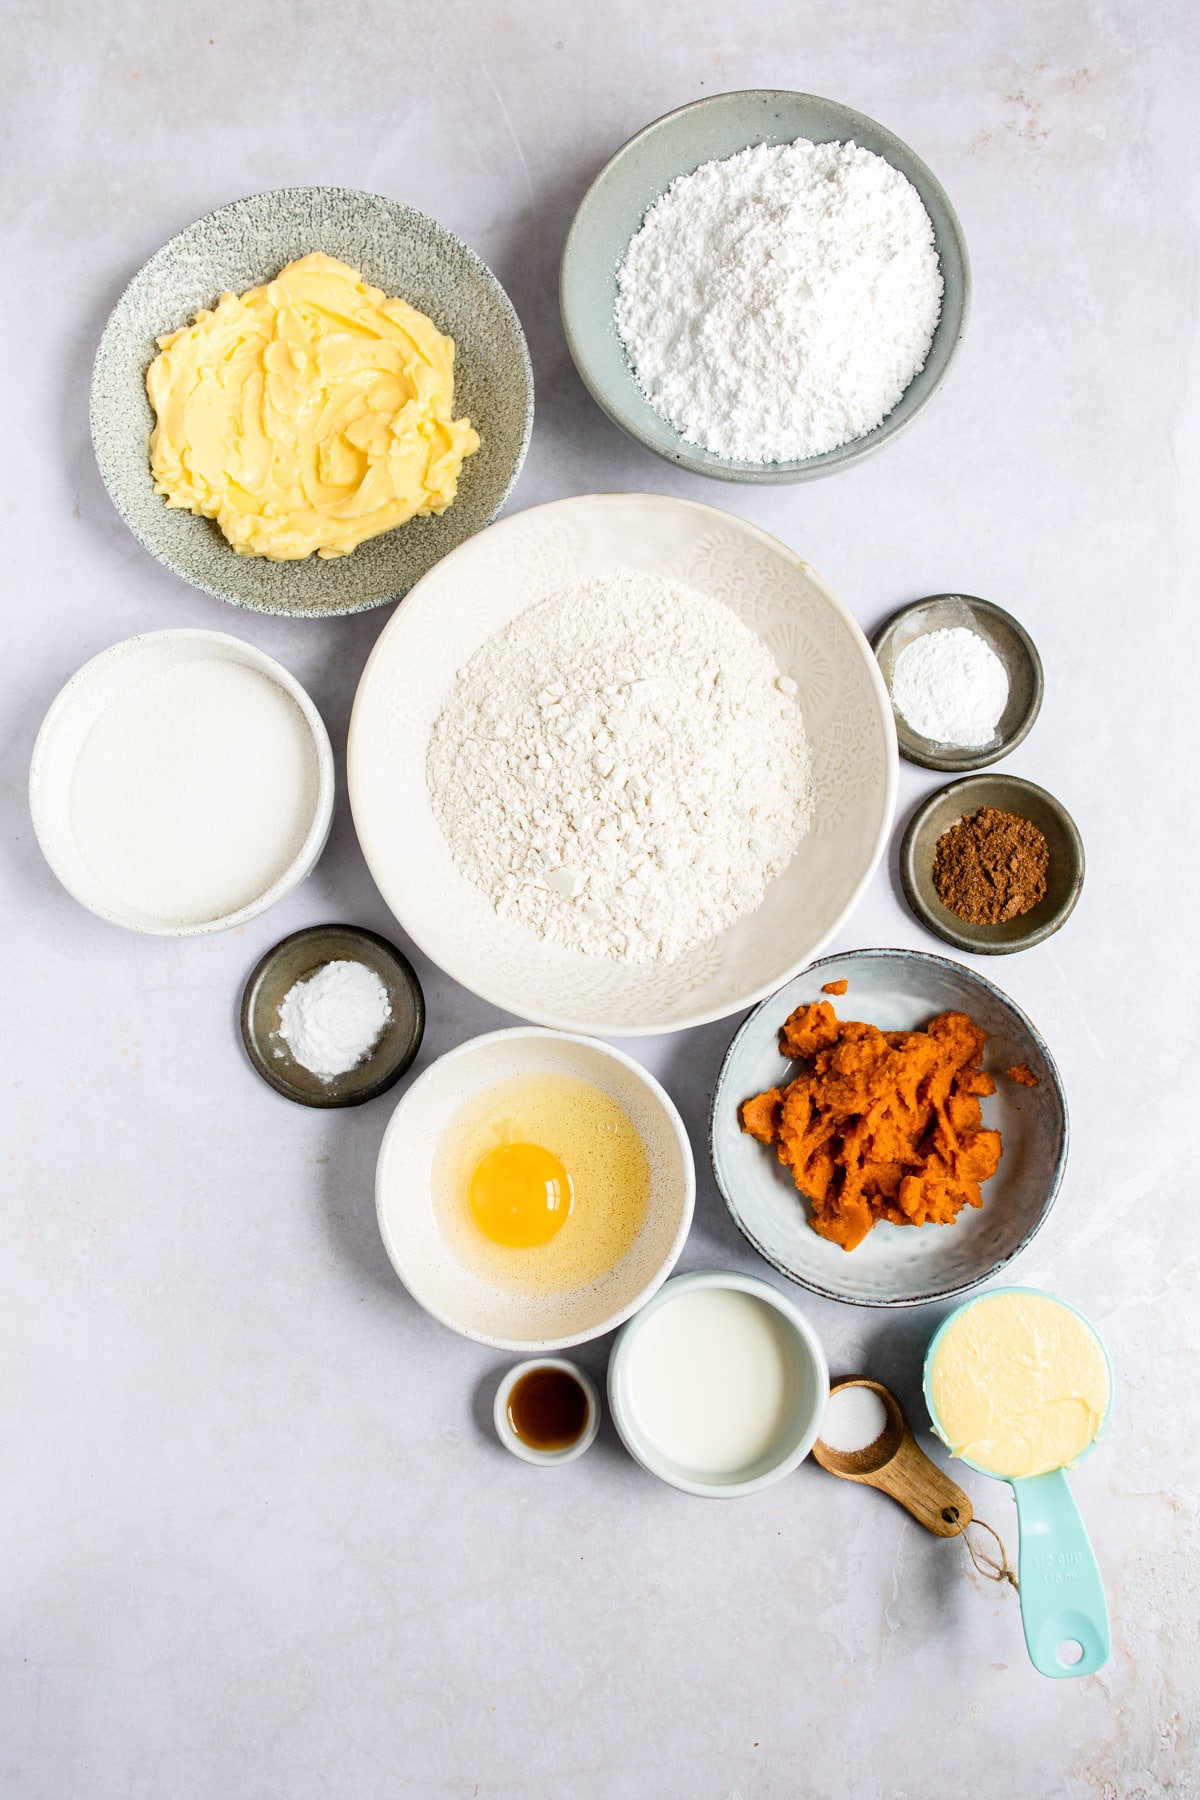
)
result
[(1019, 1384), (711, 1380)]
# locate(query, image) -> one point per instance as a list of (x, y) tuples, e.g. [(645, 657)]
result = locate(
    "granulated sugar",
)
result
[(623, 768), (777, 304), (195, 789)]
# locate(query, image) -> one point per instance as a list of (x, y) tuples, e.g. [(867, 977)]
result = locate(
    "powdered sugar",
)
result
[(623, 768), (777, 304)]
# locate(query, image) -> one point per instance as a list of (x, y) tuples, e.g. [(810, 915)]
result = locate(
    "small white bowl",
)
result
[(509, 1438), (413, 1237), (76, 709), (810, 1389)]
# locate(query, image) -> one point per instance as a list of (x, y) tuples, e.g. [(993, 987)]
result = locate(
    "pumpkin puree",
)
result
[(881, 1124)]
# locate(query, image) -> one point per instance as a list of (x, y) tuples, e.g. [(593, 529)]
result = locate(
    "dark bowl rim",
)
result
[(381, 1083), (704, 462), (966, 763), (918, 903), (112, 488), (934, 1295)]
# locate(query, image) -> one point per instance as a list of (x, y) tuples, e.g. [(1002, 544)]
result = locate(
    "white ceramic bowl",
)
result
[(477, 590), (504, 1426), (413, 1238), (809, 1389), (64, 731)]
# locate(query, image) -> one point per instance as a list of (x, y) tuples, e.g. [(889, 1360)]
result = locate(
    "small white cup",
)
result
[(508, 1436)]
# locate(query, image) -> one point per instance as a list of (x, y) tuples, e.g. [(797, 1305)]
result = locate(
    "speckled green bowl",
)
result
[(616, 203), (238, 247)]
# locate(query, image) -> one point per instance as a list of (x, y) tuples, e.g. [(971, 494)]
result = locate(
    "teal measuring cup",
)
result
[(1063, 1609)]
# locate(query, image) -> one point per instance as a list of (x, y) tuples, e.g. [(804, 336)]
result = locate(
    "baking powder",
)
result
[(777, 304), (951, 687)]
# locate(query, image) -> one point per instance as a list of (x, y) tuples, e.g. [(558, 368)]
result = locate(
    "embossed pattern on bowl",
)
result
[(479, 589)]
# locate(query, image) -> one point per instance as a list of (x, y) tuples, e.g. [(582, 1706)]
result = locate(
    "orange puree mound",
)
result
[(881, 1124)]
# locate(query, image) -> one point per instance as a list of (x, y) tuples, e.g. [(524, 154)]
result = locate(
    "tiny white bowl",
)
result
[(793, 1444), (413, 1237), (64, 731), (526, 1452)]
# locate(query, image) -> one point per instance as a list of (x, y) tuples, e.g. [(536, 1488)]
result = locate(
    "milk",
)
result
[(711, 1379)]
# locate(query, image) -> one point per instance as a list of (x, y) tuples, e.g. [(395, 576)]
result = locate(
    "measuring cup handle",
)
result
[(1062, 1595)]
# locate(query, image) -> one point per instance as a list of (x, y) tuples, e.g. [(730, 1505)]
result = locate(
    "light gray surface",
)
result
[(259, 1539)]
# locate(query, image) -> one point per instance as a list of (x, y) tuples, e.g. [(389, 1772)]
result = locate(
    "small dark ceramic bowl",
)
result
[(1011, 643), (1008, 793), (301, 955)]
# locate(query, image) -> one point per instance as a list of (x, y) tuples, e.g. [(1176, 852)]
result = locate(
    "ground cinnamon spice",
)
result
[(990, 867)]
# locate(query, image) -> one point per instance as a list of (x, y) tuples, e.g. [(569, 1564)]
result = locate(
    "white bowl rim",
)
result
[(317, 836), (733, 1279), (454, 965), (538, 1347), (546, 1458)]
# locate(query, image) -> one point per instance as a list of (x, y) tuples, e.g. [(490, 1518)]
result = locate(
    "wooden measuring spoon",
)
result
[(896, 1465)]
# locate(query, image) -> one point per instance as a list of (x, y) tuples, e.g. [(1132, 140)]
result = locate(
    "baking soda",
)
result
[(951, 687), (333, 1019)]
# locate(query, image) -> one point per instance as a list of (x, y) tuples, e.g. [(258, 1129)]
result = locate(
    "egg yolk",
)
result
[(520, 1195)]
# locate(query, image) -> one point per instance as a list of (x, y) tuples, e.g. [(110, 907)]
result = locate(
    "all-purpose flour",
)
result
[(777, 304), (623, 768)]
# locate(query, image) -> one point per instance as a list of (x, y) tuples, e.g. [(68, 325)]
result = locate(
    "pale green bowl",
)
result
[(616, 203)]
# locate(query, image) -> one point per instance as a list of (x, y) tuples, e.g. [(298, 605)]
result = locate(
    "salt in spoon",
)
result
[(896, 1465)]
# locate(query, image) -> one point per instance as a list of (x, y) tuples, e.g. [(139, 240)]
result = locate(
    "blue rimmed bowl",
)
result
[(895, 1265)]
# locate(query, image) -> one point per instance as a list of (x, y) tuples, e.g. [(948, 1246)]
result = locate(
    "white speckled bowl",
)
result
[(896, 1265), (413, 1239), (247, 243), (65, 729), (480, 588)]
